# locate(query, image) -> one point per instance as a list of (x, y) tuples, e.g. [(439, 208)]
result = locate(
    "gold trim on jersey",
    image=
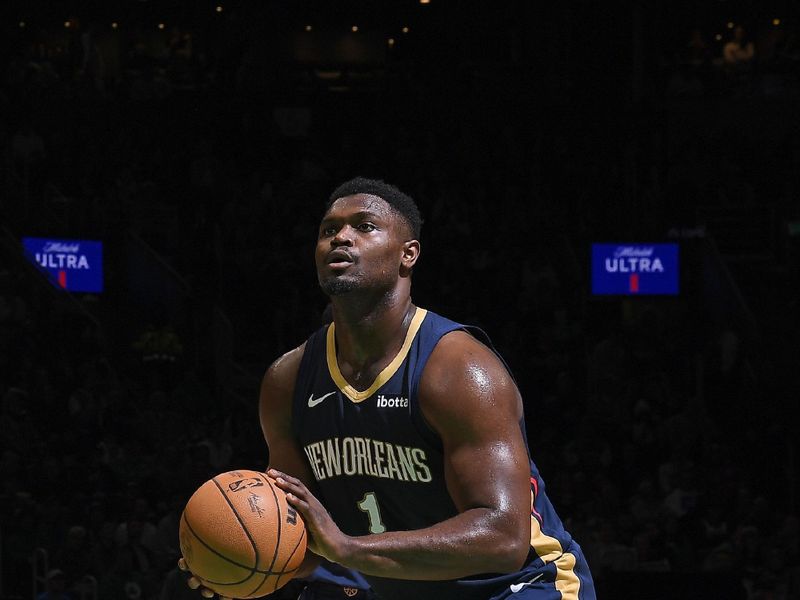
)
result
[(385, 375), (549, 550)]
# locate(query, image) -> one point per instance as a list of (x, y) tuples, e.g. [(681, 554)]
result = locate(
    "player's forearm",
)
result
[(476, 541)]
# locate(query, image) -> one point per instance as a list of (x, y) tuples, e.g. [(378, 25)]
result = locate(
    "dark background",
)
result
[(200, 144)]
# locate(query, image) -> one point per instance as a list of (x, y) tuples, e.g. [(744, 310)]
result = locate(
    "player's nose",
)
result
[(344, 237)]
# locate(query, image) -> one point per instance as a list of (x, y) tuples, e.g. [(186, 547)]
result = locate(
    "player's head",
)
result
[(368, 238), (400, 202)]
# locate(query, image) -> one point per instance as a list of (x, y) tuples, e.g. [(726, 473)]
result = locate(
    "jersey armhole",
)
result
[(421, 424)]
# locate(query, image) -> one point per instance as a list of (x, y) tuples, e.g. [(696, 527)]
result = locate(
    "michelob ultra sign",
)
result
[(73, 265), (631, 269)]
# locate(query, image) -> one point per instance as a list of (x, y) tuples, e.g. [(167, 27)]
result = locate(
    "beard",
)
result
[(336, 286)]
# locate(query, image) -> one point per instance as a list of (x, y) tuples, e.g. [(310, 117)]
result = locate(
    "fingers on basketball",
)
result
[(240, 537)]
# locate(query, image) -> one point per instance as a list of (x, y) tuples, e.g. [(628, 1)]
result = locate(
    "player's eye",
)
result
[(327, 231), (366, 227)]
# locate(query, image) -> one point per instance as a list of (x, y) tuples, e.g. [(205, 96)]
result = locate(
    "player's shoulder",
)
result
[(460, 360), (463, 380), (460, 349), (282, 373)]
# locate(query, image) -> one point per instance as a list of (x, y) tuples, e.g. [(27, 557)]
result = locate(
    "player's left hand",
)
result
[(195, 583), (325, 537)]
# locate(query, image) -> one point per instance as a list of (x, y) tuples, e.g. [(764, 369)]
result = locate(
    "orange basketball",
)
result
[(240, 537)]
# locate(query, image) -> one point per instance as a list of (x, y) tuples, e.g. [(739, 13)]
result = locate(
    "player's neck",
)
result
[(369, 335)]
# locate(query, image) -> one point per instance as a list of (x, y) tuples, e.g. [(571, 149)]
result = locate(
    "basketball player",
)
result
[(399, 434)]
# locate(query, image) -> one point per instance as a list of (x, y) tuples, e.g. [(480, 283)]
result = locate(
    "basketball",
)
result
[(240, 537)]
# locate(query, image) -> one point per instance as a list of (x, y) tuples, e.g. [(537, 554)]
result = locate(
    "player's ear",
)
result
[(409, 257)]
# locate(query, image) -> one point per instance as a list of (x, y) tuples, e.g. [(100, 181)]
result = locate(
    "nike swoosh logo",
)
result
[(312, 402), (516, 587)]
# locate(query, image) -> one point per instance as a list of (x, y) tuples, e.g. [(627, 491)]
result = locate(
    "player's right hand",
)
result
[(324, 536), (194, 583)]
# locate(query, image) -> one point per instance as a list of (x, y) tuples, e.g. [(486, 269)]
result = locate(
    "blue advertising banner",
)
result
[(635, 269), (73, 265)]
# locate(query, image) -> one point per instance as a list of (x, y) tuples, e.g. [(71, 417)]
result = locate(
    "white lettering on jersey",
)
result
[(363, 456), (396, 402)]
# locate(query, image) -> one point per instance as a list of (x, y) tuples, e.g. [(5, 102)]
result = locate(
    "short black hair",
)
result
[(402, 203)]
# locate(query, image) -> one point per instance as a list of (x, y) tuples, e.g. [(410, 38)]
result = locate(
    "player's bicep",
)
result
[(486, 472), (275, 414), (472, 402)]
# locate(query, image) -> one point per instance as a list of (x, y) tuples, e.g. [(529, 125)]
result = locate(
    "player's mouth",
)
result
[(339, 259)]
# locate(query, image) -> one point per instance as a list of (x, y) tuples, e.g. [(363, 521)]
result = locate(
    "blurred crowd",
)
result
[(651, 422), (735, 61)]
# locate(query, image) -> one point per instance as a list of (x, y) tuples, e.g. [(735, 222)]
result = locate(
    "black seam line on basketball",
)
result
[(279, 577), (277, 580), (280, 520), (202, 541), (286, 562), (277, 574), (296, 546), (238, 518), (258, 587), (277, 541), (233, 562)]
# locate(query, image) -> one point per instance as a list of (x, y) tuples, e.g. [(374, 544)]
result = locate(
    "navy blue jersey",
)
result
[(379, 467), (328, 581), (331, 573)]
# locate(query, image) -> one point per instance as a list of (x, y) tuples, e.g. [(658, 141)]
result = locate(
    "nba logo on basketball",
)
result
[(243, 484)]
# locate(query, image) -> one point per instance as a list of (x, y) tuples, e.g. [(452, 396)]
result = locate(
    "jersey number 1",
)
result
[(369, 504)]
